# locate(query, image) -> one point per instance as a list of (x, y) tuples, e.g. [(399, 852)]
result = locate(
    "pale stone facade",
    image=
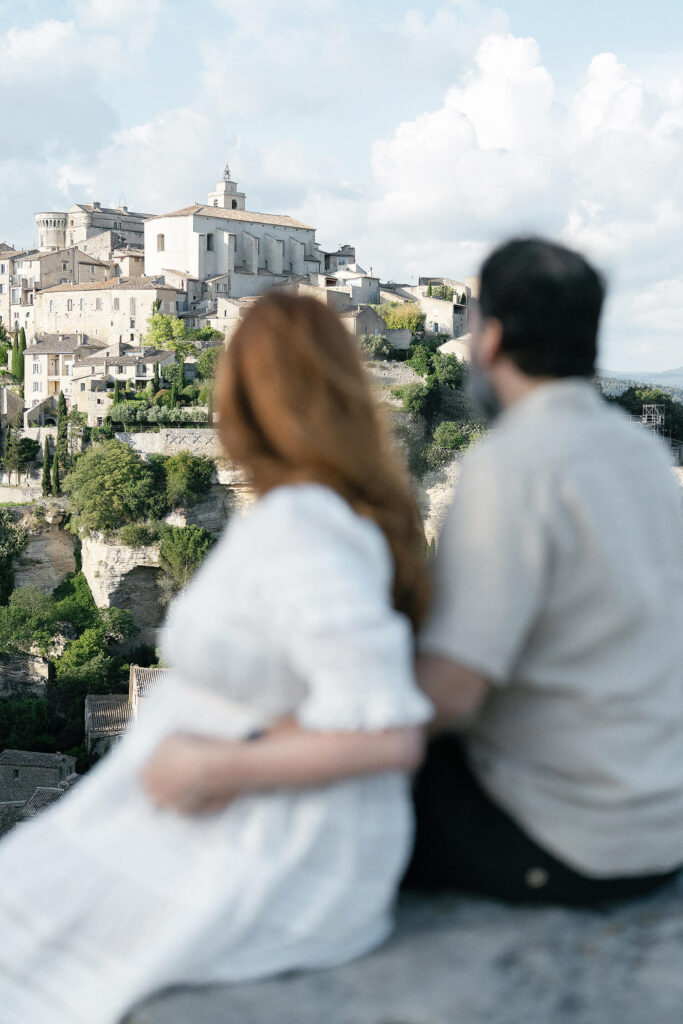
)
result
[(49, 364), (252, 251), (115, 310), (23, 771), (84, 221)]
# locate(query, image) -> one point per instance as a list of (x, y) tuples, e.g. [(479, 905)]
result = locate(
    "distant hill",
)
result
[(615, 386), (664, 379)]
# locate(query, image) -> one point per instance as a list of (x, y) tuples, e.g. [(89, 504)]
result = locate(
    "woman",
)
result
[(303, 610)]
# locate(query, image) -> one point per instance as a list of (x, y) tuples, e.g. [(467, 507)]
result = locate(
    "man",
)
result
[(556, 640)]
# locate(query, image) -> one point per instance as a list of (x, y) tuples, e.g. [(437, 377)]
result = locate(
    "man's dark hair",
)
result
[(548, 300)]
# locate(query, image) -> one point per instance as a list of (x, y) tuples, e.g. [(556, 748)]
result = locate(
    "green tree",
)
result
[(451, 435), (56, 486), (22, 344), (46, 481), (19, 453), (463, 299), (430, 290), (188, 477), (449, 369), (181, 551), (117, 392), (405, 315), (17, 367), (635, 397), (421, 360), (13, 540), (208, 362), (109, 486), (156, 376), (62, 447), (173, 401)]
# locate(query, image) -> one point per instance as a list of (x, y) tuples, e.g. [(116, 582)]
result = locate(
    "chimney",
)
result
[(124, 209), (95, 205)]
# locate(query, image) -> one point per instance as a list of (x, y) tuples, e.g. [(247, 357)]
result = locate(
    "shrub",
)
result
[(137, 535), (421, 360), (376, 346), (403, 315), (208, 361), (451, 435), (181, 551), (188, 478), (449, 370)]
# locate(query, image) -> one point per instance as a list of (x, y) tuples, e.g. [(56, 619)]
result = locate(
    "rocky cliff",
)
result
[(124, 577), (49, 555)]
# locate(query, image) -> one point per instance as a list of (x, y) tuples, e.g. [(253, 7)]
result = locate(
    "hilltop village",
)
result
[(113, 485)]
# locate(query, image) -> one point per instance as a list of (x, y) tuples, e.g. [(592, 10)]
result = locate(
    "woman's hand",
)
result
[(187, 774)]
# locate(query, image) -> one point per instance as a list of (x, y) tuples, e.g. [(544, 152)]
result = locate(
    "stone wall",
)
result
[(212, 513), (203, 441)]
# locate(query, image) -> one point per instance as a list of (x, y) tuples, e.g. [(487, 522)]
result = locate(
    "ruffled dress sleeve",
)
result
[(329, 587)]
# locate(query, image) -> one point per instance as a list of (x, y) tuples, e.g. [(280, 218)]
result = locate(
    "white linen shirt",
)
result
[(559, 576)]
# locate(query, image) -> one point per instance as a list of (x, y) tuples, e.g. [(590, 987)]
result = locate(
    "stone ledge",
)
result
[(462, 960)]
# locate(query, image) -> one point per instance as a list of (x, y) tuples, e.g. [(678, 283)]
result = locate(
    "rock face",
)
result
[(47, 558), (123, 577), (212, 513), (462, 960), (23, 675)]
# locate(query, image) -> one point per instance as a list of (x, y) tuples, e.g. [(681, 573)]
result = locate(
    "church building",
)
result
[(230, 250)]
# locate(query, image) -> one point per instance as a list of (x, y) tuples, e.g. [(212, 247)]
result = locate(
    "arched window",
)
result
[(234, 204), (161, 241), (209, 243)]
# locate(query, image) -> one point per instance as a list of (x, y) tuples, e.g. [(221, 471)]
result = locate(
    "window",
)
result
[(119, 369), (63, 266), (215, 202), (92, 268), (16, 294), (67, 370), (36, 385), (209, 243), (81, 304), (116, 304), (234, 204), (15, 773), (143, 368), (82, 387), (3, 268), (98, 304), (52, 305), (161, 242), (71, 223), (132, 337), (132, 325), (3, 289), (131, 307), (36, 367), (69, 305)]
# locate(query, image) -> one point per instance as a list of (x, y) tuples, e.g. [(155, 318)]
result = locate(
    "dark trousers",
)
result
[(465, 841)]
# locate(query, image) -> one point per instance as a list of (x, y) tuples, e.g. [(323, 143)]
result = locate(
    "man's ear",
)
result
[(491, 341)]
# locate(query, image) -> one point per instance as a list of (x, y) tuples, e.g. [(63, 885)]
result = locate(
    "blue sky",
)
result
[(422, 132)]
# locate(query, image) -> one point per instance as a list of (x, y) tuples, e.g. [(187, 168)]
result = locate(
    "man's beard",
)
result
[(482, 394)]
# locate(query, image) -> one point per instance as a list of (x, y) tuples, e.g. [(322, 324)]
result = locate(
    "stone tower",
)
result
[(226, 195), (51, 231)]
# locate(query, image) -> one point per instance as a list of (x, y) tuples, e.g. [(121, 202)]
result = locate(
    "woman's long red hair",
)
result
[(295, 405)]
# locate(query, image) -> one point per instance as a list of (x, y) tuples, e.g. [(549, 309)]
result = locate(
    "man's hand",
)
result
[(182, 774), (455, 691)]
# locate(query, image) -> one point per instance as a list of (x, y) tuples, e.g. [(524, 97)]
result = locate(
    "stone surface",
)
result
[(461, 960), (23, 675), (47, 558), (212, 513), (124, 577)]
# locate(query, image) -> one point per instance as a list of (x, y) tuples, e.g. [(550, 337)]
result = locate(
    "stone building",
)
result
[(245, 253), (6, 254), (107, 716), (10, 405), (84, 222), (32, 271), (95, 375), (363, 320), (143, 683), (23, 771), (442, 316), (49, 365), (113, 310), (344, 256)]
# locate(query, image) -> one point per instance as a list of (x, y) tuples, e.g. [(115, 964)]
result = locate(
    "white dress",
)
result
[(105, 898)]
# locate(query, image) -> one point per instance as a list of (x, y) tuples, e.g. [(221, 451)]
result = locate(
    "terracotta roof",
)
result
[(42, 797), (107, 714), (147, 680), (33, 759), (69, 248), (137, 284), (55, 344), (125, 360), (198, 210)]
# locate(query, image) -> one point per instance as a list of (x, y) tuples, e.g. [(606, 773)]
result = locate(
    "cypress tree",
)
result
[(22, 341), (174, 397), (156, 377), (56, 488), (16, 358), (117, 392), (429, 290), (46, 480), (61, 449)]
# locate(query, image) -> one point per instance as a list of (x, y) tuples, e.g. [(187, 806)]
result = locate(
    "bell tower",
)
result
[(226, 195)]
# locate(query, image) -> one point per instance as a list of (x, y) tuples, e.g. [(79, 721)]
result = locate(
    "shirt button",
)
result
[(536, 878)]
